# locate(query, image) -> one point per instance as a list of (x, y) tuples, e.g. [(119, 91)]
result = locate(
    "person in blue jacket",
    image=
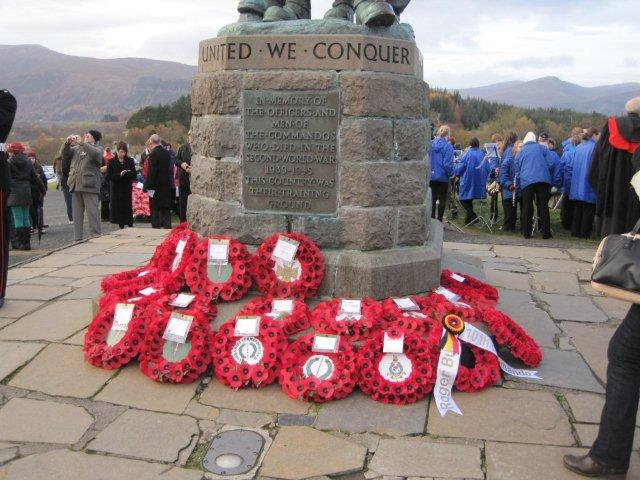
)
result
[(564, 180), (582, 194), (568, 143), (473, 171), (533, 175), (506, 178), (441, 155)]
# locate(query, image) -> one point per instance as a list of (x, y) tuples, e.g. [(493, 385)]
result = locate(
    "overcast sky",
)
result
[(465, 42)]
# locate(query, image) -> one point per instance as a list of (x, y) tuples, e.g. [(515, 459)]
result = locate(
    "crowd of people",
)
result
[(580, 175)]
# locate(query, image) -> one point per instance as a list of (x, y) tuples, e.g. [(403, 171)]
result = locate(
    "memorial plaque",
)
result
[(290, 152)]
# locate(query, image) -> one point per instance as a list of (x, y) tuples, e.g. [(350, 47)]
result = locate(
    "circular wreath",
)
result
[(436, 306), (227, 282), (131, 293), (318, 377), (478, 368), (472, 290), (296, 321), (325, 318), (300, 281), (396, 378), (412, 321), (511, 335), (171, 273), (105, 348), (248, 361), (139, 278), (163, 362)]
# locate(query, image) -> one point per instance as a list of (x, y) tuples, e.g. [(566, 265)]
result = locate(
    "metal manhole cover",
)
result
[(233, 452)]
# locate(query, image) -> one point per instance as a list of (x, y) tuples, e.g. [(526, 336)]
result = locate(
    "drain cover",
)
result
[(233, 452)]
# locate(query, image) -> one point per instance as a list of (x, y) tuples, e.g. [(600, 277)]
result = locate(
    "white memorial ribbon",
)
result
[(481, 340), (448, 364)]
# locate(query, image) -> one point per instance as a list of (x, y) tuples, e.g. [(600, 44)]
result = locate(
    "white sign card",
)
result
[(458, 278), (448, 294), (140, 185), (393, 345), (285, 250), (247, 326), (178, 328), (351, 307), (326, 343), (148, 291), (218, 252), (183, 300), (145, 273), (406, 305), (151, 193), (282, 306), (180, 246), (122, 316)]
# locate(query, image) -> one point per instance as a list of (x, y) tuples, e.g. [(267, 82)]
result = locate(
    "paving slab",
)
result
[(457, 261), (58, 260), (134, 389), (466, 247), (26, 420), (22, 273), (358, 413), (48, 281), (18, 308), (61, 370), (587, 289), (86, 247), (86, 281), (77, 339), (519, 251), (513, 281), (267, 400), (82, 271), (505, 415), (507, 267), (55, 322), (480, 254), (572, 308), (91, 291), (147, 435), (117, 259), (115, 240), (529, 316), (139, 231), (146, 249), (592, 342), (302, 452), (68, 465), (560, 266), (528, 462), (564, 369), (587, 433), (555, 282), (16, 354), (420, 458), (22, 292), (586, 255), (244, 419), (612, 308)]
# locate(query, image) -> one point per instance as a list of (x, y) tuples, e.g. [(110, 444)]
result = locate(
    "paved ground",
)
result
[(63, 419)]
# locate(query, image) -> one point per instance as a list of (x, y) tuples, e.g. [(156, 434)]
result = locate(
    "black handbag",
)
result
[(616, 267)]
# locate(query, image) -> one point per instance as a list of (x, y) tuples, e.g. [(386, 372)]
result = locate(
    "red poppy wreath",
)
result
[(248, 357), (318, 376), (511, 335), (219, 267), (174, 258), (407, 314), (470, 289), (396, 378), (292, 314), (298, 277), (177, 347), (331, 316), (115, 335)]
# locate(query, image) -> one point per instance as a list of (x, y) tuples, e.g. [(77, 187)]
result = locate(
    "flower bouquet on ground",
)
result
[(288, 265), (315, 371), (248, 351), (292, 314), (353, 319)]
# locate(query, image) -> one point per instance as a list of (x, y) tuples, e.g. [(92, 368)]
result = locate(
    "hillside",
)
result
[(51, 86), (551, 92)]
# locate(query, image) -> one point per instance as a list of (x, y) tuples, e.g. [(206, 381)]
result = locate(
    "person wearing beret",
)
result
[(8, 107)]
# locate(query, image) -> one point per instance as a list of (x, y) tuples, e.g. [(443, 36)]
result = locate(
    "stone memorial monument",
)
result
[(319, 127)]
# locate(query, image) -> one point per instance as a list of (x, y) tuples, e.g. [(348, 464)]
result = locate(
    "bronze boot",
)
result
[(342, 10), (292, 10), (399, 6), (253, 10), (374, 13)]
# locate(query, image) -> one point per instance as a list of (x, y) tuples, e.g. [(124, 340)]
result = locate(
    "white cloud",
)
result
[(465, 43)]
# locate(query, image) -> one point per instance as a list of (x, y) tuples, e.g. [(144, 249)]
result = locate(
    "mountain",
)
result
[(52, 86), (551, 92)]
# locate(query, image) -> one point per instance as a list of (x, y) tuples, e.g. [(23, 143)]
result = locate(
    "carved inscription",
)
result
[(290, 152)]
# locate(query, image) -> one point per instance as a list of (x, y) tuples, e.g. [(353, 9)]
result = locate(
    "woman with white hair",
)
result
[(534, 177)]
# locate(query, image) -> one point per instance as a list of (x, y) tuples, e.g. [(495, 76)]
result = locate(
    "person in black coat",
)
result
[(38, 191), (184, 177), (159, 184), (8, 107), (121, 172)]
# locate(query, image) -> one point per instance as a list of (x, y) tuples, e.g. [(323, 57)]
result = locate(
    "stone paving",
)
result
[(63, 419)]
